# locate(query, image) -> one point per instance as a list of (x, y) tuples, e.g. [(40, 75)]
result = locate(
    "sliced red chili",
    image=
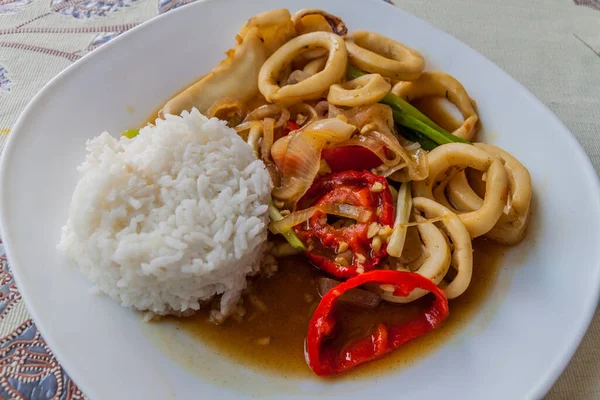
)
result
[(325, 361), (290, 126), (350, 158), (345, 251)]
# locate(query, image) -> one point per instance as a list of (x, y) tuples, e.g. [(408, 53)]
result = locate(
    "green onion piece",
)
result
[(289, 235), (416, 125), (130, 133), (409, 116), (414, 136)]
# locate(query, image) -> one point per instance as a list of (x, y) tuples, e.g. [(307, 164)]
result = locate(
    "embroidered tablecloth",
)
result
[(551, 46)]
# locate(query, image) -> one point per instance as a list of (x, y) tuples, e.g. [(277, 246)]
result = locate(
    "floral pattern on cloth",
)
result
[(30, 371), (5, 82), (595, 4), (167, 5), (8, 7), (88, 9)]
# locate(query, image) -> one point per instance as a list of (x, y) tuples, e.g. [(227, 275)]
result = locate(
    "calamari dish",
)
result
[(309, 141)]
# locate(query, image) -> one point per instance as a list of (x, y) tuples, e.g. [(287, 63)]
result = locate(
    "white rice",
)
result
[(170, 218)]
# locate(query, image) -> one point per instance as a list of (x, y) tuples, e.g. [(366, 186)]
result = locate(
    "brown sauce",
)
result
[(290, 298)]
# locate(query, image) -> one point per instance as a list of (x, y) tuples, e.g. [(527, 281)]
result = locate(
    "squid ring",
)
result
[(367, 89), (510, 228), (315, 65), (335, 23), (462, 256), (312, 87), (376, 53), (462, 195), (446, 160), (434, 267), (439, 84)]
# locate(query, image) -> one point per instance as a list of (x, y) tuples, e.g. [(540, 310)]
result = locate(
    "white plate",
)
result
[(518, 343)]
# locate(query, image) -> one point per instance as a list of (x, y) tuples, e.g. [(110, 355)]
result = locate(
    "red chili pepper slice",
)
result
[(290, 126), (350, 158), (327, 243), (325, 361)]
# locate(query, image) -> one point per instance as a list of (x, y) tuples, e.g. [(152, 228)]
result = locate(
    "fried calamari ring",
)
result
[(310, 88), (311, 68), (315, 65), (436, 264), (367, 89), (447, 160), (510, 228), (439, 84), (462, 255), (307, 25), (372, 52)]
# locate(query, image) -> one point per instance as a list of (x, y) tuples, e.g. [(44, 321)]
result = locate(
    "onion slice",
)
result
[(341, 210), (298, 155), (403, 209)]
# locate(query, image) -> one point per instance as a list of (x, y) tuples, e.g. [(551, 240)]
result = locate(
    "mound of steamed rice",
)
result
[(170, 218)]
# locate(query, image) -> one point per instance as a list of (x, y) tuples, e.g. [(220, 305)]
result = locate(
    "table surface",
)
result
[(550, 46)]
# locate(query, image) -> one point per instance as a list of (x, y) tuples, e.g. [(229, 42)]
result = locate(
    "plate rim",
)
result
[(538, 389)]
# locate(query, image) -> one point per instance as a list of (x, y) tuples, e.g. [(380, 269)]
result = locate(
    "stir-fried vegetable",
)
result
[(298, 155), (351, 246), (289, 234), (325, 360), (403, 209), (350, 158), (414, 136), (408, 116), (130, 133), (338, 209)]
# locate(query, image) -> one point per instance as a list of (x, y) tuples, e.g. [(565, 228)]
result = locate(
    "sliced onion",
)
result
[(267, 140), (347, 211), (417, 168), (387, 139), (376, 121), (368, 143), (306, 110), (357, 297), (341, 210), (291, 220), (244, 126), (256, 130), (298, 155), (225, 108), (269, 111), (413, 147), (403, 208)]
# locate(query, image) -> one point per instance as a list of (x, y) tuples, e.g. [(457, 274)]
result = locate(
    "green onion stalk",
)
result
[(417, 126), (289, 235)]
